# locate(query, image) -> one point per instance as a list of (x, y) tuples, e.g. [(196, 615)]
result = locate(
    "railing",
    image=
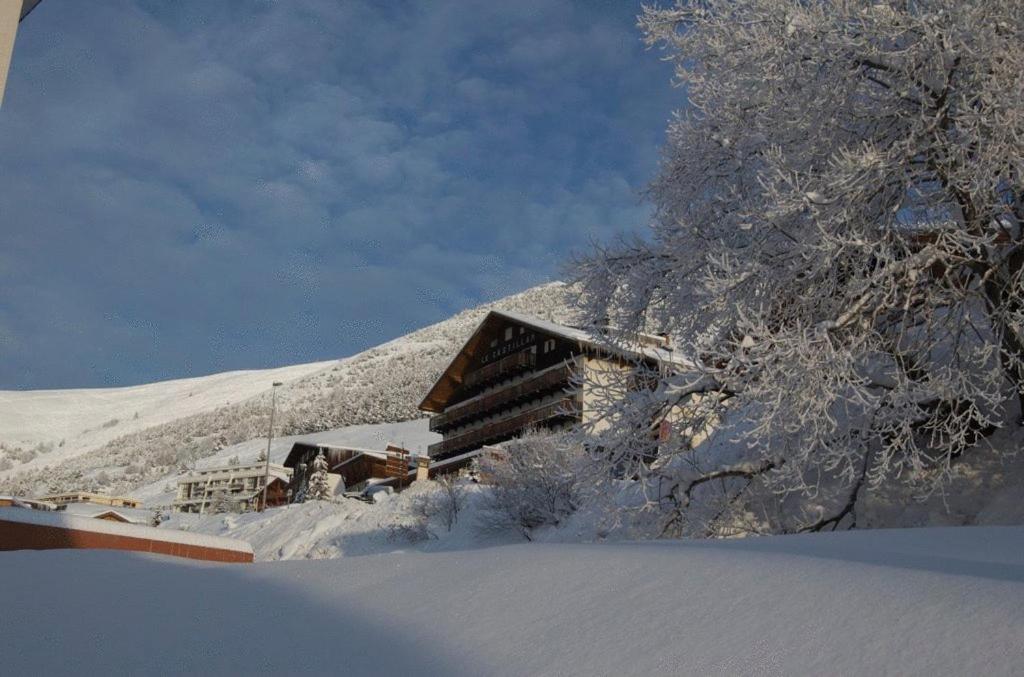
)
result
[(503, 368), (503, 429), (553, 379)]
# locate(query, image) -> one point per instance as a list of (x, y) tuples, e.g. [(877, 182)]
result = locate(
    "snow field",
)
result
[(942, 601)]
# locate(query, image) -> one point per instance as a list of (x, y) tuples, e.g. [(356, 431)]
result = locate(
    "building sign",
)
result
[(515, 344)]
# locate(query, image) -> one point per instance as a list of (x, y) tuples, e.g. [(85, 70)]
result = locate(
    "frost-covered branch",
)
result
[(837, 242)]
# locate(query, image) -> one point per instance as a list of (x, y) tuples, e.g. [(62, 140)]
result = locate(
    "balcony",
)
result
[(506, 428), (504, 368), (556, 378)]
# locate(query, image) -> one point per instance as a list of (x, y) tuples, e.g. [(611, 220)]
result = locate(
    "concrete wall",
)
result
[(599, 374)]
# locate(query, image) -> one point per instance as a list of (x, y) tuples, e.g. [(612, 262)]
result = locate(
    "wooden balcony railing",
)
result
[(503, 368), (536, 386), (506, 428)]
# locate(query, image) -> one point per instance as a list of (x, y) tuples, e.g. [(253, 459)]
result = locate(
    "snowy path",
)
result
[(928, 601)]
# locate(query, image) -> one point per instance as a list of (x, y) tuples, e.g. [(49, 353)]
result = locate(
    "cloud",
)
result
[(191, 187)]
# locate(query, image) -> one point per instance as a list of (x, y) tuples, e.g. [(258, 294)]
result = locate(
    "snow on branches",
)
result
[(838, 235), (319, 486)]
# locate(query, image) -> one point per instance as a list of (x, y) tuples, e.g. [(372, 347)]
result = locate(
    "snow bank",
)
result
[(345, 528), (932, 601)]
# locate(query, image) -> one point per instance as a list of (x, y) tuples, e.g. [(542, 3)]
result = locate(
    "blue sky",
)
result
[(198, 186)]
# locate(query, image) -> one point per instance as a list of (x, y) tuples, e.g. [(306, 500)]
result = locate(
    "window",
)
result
[(508, 334), (549, 345)]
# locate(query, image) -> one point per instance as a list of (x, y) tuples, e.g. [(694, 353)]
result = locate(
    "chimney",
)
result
[(422, 468)]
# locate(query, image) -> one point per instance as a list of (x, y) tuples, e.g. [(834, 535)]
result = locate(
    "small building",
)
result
[(52, 530), (518, 372), (69, 497), (349, 468), (242, 485), (124, 515), (29, 503)]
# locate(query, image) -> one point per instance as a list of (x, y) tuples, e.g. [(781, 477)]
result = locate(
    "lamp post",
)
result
[(270, 437)]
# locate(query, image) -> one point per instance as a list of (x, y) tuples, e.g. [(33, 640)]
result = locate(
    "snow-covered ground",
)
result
[(943, 601), (348, 527)]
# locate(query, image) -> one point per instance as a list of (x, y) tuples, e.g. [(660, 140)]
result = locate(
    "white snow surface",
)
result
[(940, 601), (347, 527), (87, 418)]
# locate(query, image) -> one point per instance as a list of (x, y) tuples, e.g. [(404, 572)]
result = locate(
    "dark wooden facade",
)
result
[(354, 466), (509, 377)]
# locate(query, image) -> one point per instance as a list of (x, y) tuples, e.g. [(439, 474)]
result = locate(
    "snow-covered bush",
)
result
[(535, 482), (838, 244), (443, 499), (405, 531)]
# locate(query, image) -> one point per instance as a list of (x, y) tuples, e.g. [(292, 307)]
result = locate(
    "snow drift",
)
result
[(930, 601)]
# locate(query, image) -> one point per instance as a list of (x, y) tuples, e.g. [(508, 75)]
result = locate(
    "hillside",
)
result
[(107, 447), (898, 602)]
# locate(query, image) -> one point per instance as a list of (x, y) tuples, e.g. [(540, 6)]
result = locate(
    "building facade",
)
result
[(69, 497), (349, 468), (518, 372), (239, 485)]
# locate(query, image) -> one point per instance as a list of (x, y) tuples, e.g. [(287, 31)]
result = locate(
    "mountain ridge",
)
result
[(379, 385)]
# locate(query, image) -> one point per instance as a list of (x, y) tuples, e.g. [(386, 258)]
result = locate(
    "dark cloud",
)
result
[(197, 186)]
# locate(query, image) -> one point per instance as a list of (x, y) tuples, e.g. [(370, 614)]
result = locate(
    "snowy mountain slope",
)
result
[(383, 384), (916, 602), (71, 422)]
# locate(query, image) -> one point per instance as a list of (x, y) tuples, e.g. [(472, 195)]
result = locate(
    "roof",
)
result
[(132, 515), (301, 446), (585, 339), (87, 495), (277, 472), (78, 523), (27, 6), (33, 503)]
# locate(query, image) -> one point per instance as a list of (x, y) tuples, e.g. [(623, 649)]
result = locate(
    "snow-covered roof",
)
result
[(236, 471), (461, 457), (33, 503), (598, 340), (301, 445), (78, 523), (133, 515), (649, 348)]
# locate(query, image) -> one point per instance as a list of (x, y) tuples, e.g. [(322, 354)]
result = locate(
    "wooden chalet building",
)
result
[(518, 372), (349, 468)]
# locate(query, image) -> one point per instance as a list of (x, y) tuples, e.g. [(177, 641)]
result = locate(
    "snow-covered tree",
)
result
[(837, 244), (319, 487), (222, 502), (533, 483)]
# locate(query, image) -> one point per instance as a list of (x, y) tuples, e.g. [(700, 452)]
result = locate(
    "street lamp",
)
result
[(270, 437)]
